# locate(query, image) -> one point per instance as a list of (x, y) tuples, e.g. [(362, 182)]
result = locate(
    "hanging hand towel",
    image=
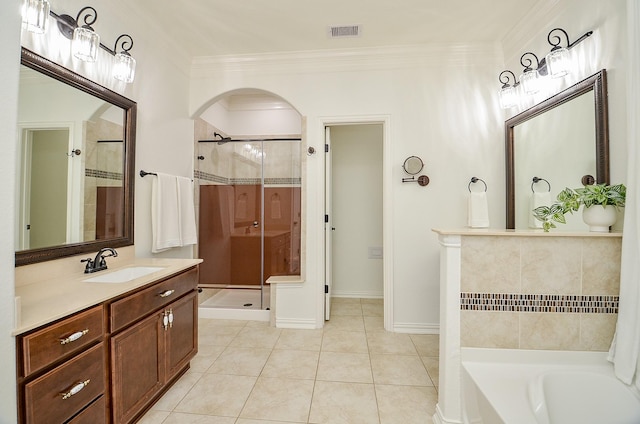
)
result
[(188, 231), (537, 200), (478, 210), (165, 213)]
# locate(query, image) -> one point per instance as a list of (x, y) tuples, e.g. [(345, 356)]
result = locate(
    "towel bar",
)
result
[(145, 173)]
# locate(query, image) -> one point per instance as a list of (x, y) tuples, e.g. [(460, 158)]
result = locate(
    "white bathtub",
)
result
[(502, 386)]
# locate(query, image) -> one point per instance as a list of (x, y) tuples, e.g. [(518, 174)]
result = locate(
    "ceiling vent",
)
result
[(343, 31)]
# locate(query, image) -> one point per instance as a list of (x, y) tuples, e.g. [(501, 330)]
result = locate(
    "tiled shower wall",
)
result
[(539, 292)]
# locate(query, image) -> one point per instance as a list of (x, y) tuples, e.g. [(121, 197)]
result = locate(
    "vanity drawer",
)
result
[(58, 395), (56, 341), (96, 413), (142, 303)]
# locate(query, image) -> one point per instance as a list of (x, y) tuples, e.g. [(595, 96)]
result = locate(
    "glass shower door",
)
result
[(249, 218)]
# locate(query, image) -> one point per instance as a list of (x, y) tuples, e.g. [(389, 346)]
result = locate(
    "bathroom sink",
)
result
[(123, 275)]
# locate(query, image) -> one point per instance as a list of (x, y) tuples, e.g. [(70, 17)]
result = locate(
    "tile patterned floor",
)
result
[(351, 372)]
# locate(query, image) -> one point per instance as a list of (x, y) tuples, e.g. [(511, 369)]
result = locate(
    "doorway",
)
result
[(354, 203), (44, 181)]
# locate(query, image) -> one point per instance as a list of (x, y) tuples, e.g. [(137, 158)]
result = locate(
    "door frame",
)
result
[(387, 209)]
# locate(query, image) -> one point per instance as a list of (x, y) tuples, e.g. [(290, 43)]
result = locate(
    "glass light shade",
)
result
[(35, 15), (124, 68), (85, 44), (558, 62), (530, 81), (508, 97)]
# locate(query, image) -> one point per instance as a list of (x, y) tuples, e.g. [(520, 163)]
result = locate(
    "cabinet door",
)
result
[(137, 367), (182, 337)]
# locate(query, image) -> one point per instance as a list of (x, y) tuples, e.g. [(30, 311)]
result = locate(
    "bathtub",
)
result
[(503, 386)]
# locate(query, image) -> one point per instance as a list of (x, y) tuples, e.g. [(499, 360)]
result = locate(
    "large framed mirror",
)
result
[(562, 141), (75, 164)]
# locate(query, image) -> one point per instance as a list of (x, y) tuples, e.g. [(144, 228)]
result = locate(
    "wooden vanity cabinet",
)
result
[(149, 353), (111, 362), (62, 370)]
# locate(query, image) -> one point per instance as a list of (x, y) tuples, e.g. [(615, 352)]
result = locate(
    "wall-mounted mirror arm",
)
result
[(412, 166)]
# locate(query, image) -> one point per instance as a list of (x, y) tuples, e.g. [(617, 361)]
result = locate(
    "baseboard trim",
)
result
[(438, 418), (362, 295), (416, 328), (304, 324)]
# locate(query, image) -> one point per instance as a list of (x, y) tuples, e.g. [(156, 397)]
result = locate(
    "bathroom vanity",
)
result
[(102, 352)]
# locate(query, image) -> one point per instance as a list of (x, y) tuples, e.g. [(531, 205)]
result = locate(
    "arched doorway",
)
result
[(248, 191)]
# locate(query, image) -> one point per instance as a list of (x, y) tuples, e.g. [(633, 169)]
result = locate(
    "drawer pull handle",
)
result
[(166, 293), (75, 389), (75, 336)]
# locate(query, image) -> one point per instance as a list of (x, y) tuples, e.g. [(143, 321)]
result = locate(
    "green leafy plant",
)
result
[(570, 200)]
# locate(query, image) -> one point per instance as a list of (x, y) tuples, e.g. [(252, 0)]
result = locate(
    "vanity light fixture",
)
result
[(558, 59), (508, 94), (125, 67), (557, 63), (84, 40), (35, 15), (530, 78)]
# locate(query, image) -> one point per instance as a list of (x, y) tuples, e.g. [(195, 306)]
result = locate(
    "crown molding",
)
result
[(537, 21), (344, 60)]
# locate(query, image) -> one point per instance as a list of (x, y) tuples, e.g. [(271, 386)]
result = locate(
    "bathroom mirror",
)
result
[(413, 165), (75, 160), (561, 139)]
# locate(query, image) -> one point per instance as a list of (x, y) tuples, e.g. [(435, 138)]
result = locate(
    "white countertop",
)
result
[(43, 302), (520, 233)]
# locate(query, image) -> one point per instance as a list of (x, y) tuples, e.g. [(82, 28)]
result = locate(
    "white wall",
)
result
[(9, 69), (253, 115), (356, 209), (441, 105)]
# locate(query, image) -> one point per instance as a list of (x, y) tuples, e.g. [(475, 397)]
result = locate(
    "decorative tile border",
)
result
[(244, 181), (507, 302), (210, 177), (103, 174)]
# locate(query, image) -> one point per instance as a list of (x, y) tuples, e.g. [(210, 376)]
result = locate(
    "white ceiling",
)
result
[(231, 27)]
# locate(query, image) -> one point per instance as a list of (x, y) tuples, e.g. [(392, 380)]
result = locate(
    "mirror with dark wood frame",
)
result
[(567, 136), (100, 213)]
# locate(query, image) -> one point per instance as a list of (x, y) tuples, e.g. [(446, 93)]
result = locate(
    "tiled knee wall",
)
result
[(539, 292)]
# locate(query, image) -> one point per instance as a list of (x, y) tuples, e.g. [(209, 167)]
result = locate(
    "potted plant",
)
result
[(600, 202)]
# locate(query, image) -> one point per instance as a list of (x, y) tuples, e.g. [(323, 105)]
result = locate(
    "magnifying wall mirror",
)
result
[(413, 165)]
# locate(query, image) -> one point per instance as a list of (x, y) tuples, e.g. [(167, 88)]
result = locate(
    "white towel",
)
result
[(478, 210), (165, 213), (537, 200), (188, 232)]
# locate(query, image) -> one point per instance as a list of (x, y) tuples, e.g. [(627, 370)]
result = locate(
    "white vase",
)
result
[(599, 218)]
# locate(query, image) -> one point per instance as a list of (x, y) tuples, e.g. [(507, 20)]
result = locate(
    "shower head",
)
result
[(222, 140)]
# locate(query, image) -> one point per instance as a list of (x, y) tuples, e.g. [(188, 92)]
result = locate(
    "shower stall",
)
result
[(249, 218)]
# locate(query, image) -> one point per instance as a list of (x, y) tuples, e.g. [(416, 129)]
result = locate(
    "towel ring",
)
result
[(475, 180), (537, 180)]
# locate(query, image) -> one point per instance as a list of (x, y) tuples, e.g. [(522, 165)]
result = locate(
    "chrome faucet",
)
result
[(99, 263)]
